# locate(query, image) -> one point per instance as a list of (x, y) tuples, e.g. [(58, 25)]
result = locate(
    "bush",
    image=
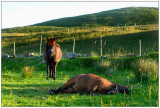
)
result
[(145, 69), (105, 67), (27, 71)]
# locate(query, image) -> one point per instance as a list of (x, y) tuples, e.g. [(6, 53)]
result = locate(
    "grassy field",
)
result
[(24, 79), (18, 90), (119, 41)]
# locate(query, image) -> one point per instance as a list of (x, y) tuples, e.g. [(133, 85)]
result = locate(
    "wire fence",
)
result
[(116, 44)]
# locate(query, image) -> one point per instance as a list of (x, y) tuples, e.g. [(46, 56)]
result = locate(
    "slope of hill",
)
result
[(129, 16)]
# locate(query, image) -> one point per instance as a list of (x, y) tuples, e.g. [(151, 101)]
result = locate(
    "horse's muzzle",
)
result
[(50, 51)]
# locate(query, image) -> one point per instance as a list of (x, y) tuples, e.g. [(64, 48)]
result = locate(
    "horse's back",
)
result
[(89, 81), (85, 83), (59, 53), (71, 82)]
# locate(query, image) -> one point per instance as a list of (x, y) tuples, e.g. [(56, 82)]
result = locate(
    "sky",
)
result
[(17, 14)]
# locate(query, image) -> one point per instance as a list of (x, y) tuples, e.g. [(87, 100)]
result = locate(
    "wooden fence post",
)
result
[(101, 45), (139, 47), (40, 45), (52, 31), (68, 30), (14, 50), (118, 27), (73, 45), (46, 33)]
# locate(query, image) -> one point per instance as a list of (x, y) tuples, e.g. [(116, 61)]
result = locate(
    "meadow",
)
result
[(119, 40), (33, 90), (23, 81)]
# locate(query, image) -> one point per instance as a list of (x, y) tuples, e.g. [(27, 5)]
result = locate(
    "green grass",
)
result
[(22, 89), (117, 44), (34, 91), (129, 16), (146, 69)]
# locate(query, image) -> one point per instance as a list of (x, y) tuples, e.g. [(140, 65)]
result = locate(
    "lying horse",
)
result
[(90, 83), (52, 55)]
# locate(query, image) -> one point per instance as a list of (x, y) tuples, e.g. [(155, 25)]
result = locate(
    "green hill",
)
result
[(128, 16)]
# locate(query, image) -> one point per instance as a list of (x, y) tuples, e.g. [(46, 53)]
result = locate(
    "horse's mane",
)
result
[(57, 45)]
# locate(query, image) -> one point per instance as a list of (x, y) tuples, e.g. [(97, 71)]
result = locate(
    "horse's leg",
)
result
[(67, 87), (68, 90), (54, 70), (47, 70), (51, 71), (93, 90)]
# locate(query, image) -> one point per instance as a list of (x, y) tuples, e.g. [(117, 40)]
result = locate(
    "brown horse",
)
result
[(52, 55), (90, 83)]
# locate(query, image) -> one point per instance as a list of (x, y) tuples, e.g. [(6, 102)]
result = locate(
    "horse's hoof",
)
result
[(93, 94), (81, 93), (52, 92), (54, 78)]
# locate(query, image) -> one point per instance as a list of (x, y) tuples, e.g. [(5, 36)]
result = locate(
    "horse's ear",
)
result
[(126, 86)]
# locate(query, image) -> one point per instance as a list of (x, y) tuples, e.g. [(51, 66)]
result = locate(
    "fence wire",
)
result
[(115, 45)]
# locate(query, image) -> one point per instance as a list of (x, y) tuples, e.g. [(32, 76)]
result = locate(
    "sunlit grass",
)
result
[(84, 38), (146, 69), (34, 91)]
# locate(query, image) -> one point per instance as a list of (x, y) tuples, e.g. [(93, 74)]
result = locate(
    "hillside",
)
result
[(129, 16)]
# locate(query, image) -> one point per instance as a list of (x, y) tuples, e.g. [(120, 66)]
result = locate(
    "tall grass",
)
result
[(109, 67), (145, 69), (27, 71), (104, 67)]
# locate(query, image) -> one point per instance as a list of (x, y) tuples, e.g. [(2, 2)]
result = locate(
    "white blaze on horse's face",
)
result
[(52, 50)]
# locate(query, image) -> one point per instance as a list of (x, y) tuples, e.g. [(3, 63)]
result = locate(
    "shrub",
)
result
[(27, 71), (104, 67), (145, 69), (94, 54)]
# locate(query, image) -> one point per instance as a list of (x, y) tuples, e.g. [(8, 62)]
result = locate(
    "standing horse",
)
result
[(52, 55)]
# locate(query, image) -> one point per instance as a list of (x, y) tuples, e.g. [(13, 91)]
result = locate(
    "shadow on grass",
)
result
[(29, 90)]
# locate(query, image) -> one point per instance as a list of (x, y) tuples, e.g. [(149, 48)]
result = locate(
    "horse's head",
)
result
[(123, 89), (51, 46), (119, 89), (51, 42)]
